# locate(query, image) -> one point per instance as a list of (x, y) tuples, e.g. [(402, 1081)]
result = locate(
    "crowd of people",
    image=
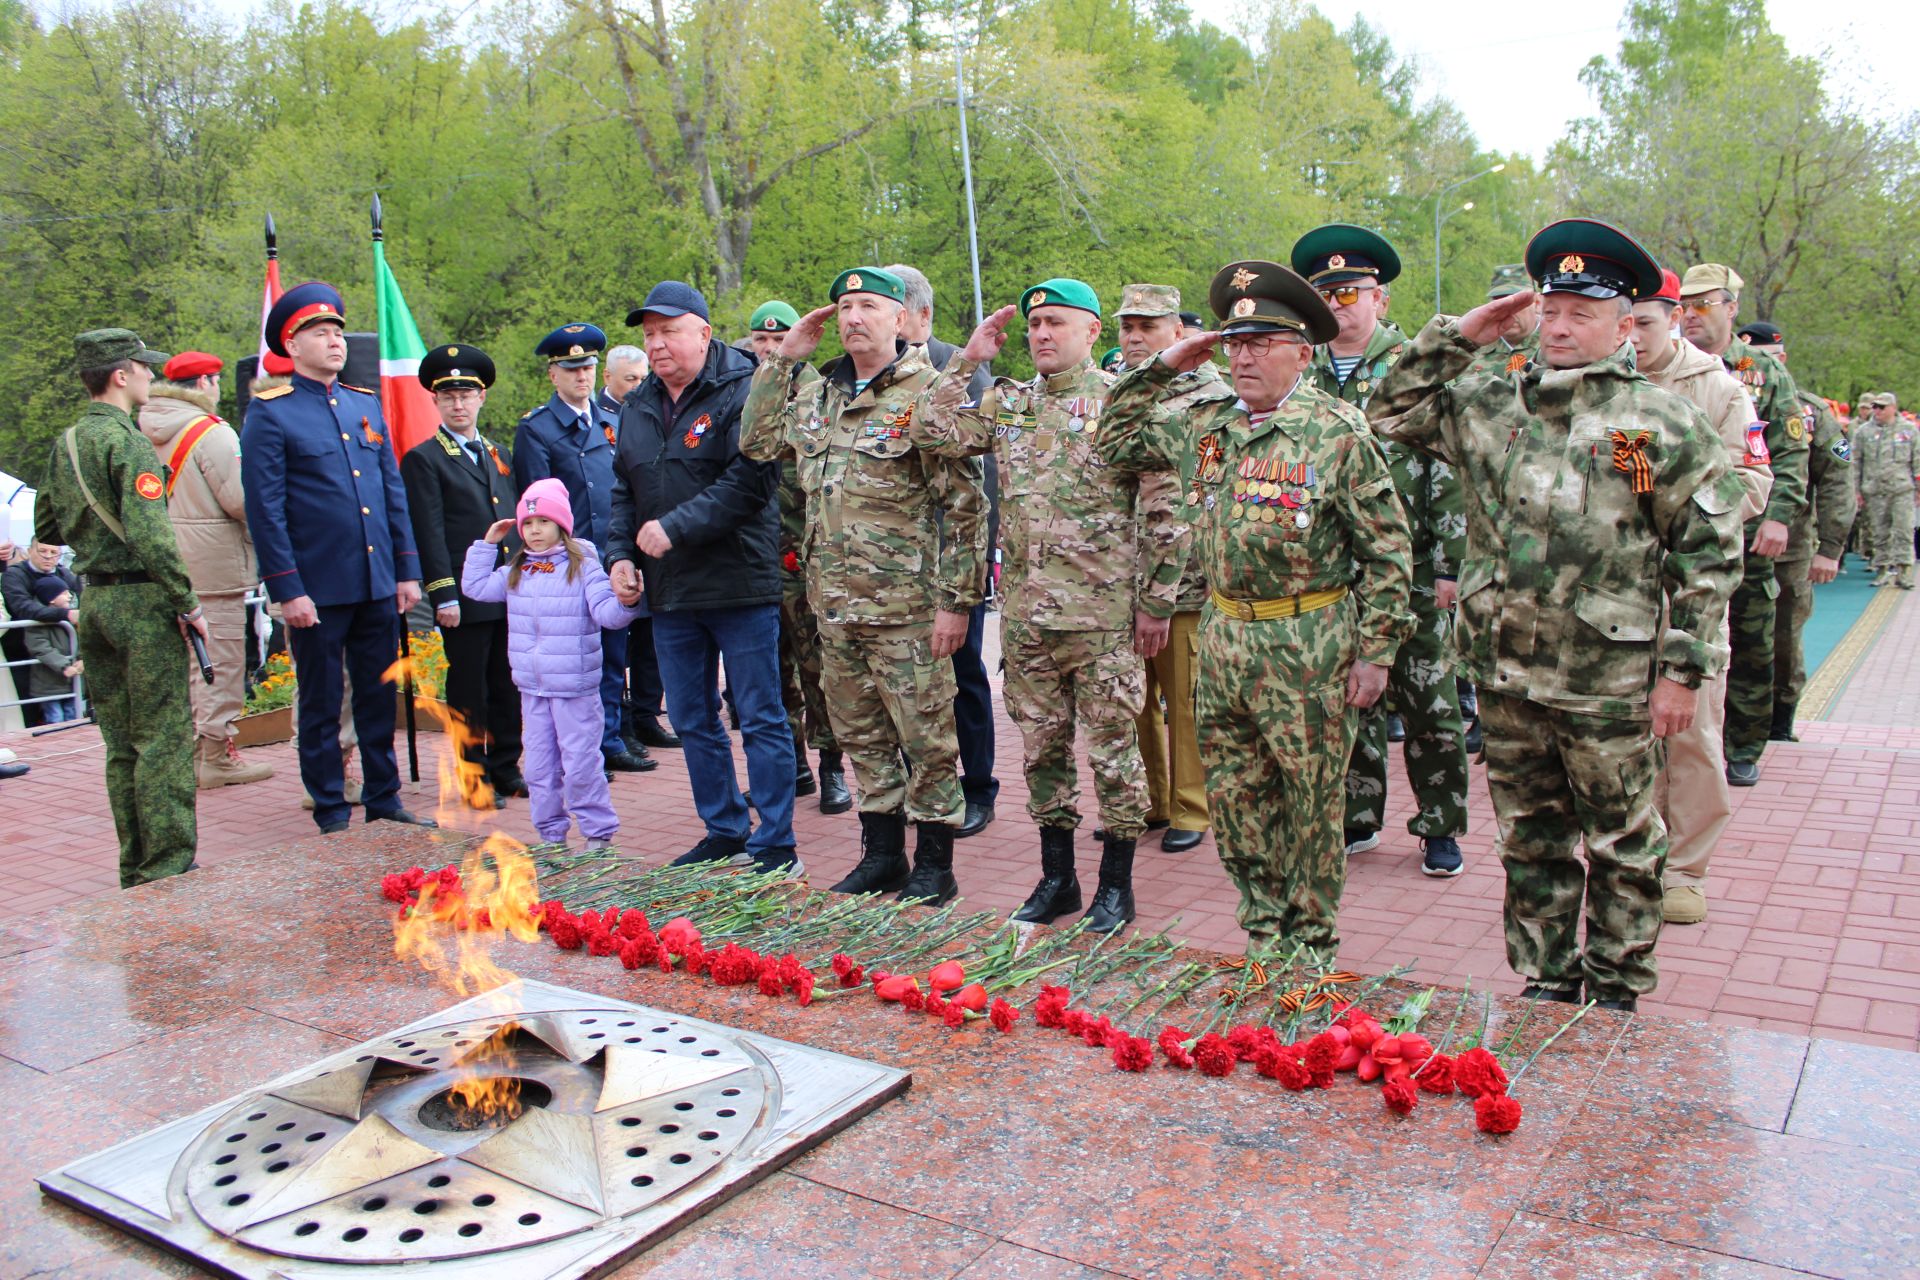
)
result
[(1571, 531)]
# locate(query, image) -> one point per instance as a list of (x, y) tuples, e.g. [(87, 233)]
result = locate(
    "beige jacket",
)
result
[(1700, 378), (206, 506)]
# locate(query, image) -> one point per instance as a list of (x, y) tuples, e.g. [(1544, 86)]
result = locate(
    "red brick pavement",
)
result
[(1815, 890)]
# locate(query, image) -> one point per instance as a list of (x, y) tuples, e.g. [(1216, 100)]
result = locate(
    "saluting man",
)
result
[(459, 483), (330, 525)]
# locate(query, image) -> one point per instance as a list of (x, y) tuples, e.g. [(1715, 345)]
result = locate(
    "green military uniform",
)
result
[(1886, 460), (799, 629), (1505, 359), (1591, 496), (1306, 552), (1820, 530), (130, 640)]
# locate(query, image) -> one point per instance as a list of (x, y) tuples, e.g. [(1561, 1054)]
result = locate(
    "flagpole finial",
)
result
[(376, 216), (273, 250)]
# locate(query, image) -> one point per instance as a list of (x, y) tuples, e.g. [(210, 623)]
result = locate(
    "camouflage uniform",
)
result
[(1083, 545), (129, 635), (799, 630), (1421, 687), (874, 566), (1820, 530), (1886, 464), (1503, 359), (1275, 728), (1560, 627)]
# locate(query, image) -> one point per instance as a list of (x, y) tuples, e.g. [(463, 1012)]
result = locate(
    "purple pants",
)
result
[(560, 758)]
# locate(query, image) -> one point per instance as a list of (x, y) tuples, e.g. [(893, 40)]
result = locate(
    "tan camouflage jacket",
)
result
[(1083, 544), (870, 543), (1886, 458), (1777, 403), (1823, 529), (1701, 380), (1329, 517), (1591, 496)]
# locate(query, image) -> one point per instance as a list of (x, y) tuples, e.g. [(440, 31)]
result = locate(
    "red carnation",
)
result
[(1173, 1046), (1322, 1054), (1002, 1015), (936, 1005), (1050, 1011), (803, 988), (1400, 1096), (679, 934), (1496, 1112), (790, 562), (770, 985), (565, 933), (1437, 1075), (842, 965), (955, 1014), (913, 999), (1214, 1056), (1478, 1073), (1245, 1041), (1293, 1074), (630, 954), (696, 958), (1131, 1053), (852, 978), (394, 888), (1076, 1022), (589, 921), (1096, 1032)]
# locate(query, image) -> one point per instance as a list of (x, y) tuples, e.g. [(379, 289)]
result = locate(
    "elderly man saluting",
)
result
[(1591, 495)]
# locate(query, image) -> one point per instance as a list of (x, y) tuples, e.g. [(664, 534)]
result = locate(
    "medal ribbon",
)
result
[(1630, 458)]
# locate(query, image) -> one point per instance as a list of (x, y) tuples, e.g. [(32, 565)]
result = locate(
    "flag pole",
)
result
[(406, 642)]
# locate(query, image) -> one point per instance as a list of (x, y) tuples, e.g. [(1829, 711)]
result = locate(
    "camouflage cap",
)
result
[(1508, 279), (1708, 276), (1887, 400), (102, 348), (1149, 300)]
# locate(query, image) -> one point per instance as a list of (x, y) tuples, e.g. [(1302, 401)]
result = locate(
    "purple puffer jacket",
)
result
[(553, 626)]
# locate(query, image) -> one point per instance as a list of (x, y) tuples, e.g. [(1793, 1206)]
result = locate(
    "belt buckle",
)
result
[(1243, 610)]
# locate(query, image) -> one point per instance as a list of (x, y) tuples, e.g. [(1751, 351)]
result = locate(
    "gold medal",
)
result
[(1239, 488), (1269, 490), (1267, 516)]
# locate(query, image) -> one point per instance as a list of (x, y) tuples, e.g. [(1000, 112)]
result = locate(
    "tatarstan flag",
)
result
[(409, 409)]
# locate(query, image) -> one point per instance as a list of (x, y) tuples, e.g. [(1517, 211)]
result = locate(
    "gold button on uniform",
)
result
[(356, 473), (369, 549), (343, 435), (366, 511)]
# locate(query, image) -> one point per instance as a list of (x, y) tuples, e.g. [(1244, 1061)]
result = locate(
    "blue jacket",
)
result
[(550, 442), (325, 504)]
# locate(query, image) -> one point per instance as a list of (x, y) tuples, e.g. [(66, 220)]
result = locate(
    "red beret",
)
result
[(189, 365)]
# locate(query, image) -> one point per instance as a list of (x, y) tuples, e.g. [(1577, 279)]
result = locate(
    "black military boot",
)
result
[(834, 796), (932, 880), (1112, 908), (803, 784), (1058, 892), (883, 855)]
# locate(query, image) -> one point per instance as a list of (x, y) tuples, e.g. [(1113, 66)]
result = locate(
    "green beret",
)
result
[(1112, 360), (867, 280), (1060, 293), (774, 317), (104, 348)]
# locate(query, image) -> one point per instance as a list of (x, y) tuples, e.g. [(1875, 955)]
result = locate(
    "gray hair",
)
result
[(919, 289), (623, 355)]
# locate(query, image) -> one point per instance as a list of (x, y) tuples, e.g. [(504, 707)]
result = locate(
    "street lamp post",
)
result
[(1438, 219)]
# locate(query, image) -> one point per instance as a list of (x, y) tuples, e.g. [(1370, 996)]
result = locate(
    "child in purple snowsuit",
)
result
[(558, 599)]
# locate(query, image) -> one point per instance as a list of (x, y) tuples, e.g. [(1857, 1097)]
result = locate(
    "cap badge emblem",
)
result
[(573, 328), (1244, 307), (853, 281), (576, 350), (769, 323), (1573, 264), (1337, 261), (1039, 297), (1241, 279), (453, 351)]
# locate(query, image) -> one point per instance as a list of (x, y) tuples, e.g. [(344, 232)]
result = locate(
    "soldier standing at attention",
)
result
[(1091, 565), (891, 596), (1306, 552), (1594, 499), (1710, 296), (1816, 541), (330, 524), (1351, 267), (1886, 460), (104, 498), (1692, 791)]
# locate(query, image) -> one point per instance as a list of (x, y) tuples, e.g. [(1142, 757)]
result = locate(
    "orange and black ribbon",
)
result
[(498, 465), (1630, 457)]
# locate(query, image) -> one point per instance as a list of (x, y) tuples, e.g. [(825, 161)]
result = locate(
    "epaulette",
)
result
[(362, 390), (273, 393), (528, 414)]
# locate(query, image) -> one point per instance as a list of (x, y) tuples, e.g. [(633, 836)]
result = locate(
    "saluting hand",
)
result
[(1488, 320), (987, 340), (1191, 351), (803, 338), (498, 530)]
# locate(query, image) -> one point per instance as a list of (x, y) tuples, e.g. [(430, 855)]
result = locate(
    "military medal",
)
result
[(1301, 519), (1209, 502)]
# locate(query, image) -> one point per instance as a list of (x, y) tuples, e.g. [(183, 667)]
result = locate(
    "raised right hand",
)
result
[(804, 338), (1191, 351), (987, 340), (1488, 321), (498, 530), (299, 612)]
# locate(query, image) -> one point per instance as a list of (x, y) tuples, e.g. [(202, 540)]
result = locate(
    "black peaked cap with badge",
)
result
[(1339, 253), (450, 367), (1592, 259), (1256, 296)]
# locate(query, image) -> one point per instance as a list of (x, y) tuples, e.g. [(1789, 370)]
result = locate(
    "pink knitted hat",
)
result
[(547, 499)]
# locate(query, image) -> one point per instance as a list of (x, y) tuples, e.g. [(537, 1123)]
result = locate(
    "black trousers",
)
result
[(480, 690), (645, 693), (973, 714)]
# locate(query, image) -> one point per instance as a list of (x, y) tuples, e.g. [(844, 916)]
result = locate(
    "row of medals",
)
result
[(1263, 500)]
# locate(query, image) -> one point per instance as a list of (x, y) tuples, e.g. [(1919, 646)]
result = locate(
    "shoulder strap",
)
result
[(73, 455), (184, 446)]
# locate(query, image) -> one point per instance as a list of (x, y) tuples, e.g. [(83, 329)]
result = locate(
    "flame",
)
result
[(492, 1090), (462, 782)]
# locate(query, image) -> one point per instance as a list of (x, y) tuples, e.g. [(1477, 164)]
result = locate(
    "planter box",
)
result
[(263, 728), (430, 715)]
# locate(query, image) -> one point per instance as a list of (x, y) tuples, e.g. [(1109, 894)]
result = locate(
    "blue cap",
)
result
[(298, 307), (572, 346), (670, 298)]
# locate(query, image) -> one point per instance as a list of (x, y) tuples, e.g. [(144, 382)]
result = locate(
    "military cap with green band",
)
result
[(1341, 253), (1509, 279), (868, 280), (1256, 296), (104, 348), (1592, 259), (774, 317), (1060, 292)]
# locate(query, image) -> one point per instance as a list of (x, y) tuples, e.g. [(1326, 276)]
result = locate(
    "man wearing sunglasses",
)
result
[(1603, 542), (1306, 553), (1350, 267), (1709, 300)]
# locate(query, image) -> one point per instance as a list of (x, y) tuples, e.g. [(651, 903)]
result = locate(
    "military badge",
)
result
[(148, 486), (1244, 307), (1212, 462), (576, 350), (701, 425), (1241, 279), (1337, 261), (573, 328), (1039, 299), (1757, 455), (1301, 519), (1796, 429), (853, 282), (1573, 264), (770, 322), (1842, 449), (453, 351)]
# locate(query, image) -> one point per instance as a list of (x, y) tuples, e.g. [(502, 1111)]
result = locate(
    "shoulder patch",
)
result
[(274, 393), (148, 486), (362, 390), (1842, 449)]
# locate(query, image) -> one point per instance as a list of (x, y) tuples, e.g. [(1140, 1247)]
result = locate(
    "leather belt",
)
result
[(1285, 607), (133, 579)]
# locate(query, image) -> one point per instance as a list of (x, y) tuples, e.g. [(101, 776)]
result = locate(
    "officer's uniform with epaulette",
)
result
[(105, 498), (329, 519), (1420, 689), (456, 489), (576, 447)]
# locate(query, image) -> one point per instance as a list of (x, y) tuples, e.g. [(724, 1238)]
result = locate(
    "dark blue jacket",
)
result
[(681, 464), (550, 442), (325, 504)]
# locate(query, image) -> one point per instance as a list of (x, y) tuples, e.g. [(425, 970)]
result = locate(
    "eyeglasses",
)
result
[(1701, 306), (1257, 344), (1346, 295), (457, 394)]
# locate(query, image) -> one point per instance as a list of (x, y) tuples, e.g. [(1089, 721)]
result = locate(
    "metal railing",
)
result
[(78, 684)]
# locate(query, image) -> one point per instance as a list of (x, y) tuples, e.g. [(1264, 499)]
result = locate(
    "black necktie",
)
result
[(473, 451)]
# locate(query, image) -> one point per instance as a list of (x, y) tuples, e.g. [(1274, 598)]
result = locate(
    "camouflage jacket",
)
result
[(1083, 544), (1503, 359), (1777, 400), (1567, 566), (1191, 596), (1327, 519), (870, 543), (793, 528), (1702, 381), (1822, 530), (1427, 486), (125, 477), (1886, 457)]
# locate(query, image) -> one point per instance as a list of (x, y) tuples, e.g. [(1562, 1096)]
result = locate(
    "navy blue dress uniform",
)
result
[(456, 489), (575, 447), (329, 521)]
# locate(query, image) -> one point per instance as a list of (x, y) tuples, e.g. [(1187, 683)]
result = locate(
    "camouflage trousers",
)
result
[(1559, 779), (1750, 630), (1890, 516), (891, 702), (1056, 680), (1790, 615), (1422, 691), (131, 646), (800, 673), (1275, 734)]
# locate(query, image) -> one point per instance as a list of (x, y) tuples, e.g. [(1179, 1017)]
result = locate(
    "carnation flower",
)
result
[(1496, 1112), (1173, 1046), (1131, 1053), (1003, 1015), (1477, 1073), (1214, 1056), (565, 934), (1400, 1096), (1437, 1075), (955, 1014), (633, 922)]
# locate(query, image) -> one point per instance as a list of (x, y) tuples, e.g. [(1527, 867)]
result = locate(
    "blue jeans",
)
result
[(689, 645), (613, 689), (62, 711)]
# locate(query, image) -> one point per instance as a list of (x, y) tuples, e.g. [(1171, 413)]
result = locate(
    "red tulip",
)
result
[(1368, 1069), (895, 988), (946, 976), (972, 997)]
